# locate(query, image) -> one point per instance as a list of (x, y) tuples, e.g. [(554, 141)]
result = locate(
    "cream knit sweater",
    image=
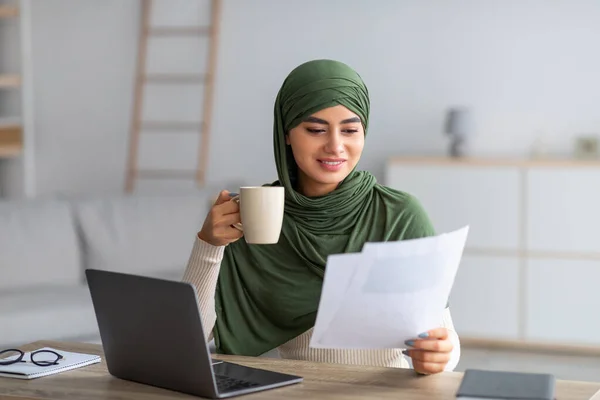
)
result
[(202, 271)]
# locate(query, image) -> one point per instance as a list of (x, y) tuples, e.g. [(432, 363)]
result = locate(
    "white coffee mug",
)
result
[(261, 212)]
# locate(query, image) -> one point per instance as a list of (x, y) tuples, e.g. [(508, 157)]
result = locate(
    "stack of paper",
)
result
[(387, 294)]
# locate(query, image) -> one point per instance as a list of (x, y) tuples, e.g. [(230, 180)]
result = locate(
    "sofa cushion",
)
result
[(144, 235), (56, 313), (38, 244)]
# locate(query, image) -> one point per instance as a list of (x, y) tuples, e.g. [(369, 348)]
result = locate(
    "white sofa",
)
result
[(46, 245)]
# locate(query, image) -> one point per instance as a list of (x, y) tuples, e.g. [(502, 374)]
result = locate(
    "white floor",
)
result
[(580, 368)]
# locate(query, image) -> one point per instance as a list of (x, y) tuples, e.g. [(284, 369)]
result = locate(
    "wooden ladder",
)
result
[(140, 127)]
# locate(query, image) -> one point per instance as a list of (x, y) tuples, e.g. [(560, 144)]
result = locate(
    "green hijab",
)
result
[(269, 294)]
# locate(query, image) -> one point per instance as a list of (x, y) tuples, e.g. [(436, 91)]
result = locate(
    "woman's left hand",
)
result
[(430, 352)]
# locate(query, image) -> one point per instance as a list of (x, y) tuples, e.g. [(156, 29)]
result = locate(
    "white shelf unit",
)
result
[(531, 266), (17, 154)]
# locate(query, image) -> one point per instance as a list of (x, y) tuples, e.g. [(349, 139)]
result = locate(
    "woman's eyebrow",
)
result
[(316, 120), (322, 121)]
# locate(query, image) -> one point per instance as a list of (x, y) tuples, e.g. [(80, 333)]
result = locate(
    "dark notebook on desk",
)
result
[(491, 385)]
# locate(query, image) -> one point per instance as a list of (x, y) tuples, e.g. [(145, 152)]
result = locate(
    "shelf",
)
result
[(10, 151), (11, 141), (549, 161), (10, 81), (7, 11)]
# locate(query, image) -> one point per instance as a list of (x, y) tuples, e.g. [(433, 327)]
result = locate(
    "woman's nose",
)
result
[(335, 143)]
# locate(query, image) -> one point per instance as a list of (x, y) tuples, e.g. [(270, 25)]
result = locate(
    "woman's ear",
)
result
[(287, 139)]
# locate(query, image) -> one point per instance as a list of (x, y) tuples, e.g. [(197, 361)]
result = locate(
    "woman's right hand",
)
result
[(217, 229)]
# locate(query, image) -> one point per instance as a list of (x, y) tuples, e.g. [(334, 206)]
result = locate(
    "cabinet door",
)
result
[(563, 210), (485, 297), (563, 301), (485, 197)]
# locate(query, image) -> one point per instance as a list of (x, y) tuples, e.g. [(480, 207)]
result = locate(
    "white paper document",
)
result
[(387, 294)]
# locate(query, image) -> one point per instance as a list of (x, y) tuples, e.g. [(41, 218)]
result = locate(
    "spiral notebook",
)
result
[(28, 370)]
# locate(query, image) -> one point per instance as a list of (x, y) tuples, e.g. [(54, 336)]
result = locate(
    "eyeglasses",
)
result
[(41, 358)]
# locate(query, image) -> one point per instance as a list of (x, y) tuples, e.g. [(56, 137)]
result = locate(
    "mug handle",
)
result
[(238, 225)]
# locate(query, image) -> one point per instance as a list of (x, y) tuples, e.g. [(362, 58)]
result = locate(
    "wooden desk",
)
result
[(322, 381)]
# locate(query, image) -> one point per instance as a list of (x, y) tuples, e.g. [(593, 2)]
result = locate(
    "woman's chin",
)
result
[(330, 178)]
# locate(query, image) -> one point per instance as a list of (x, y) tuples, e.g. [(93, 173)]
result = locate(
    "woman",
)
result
[(255, 298)]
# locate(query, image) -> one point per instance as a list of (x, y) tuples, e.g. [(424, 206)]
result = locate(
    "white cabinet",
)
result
[(563, 209), (486, 198), (485, 297), (531, 266), (563, 301)]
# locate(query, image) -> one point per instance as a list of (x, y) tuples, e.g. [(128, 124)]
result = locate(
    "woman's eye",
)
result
[(350, 130), (315, 130)]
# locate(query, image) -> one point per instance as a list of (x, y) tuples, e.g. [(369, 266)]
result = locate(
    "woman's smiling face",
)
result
[(326, 146)]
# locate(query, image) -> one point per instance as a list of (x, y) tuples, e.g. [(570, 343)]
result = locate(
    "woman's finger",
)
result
[(224, 196), (428, 368), (233, 233), (229, 219), (440, 346), (228, 207), (437, 333), (428, 356)]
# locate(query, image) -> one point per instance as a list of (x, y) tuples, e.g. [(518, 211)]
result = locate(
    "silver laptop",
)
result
[(151, 331)]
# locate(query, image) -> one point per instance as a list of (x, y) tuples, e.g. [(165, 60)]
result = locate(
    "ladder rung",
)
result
[(170, 126), (9, 11), (179, 30), (9, 130), (10, 80), (176, 78), (10, 150), (165, 174)]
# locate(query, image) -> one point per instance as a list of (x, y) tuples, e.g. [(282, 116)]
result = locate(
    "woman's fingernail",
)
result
[(424, 335), (405, 352), (232, 194), (410, 342)]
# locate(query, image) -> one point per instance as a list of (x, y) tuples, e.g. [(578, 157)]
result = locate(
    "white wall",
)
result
[(84, 54), (523, 66)]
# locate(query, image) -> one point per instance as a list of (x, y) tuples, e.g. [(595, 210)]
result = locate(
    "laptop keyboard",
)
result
[(226, 384)]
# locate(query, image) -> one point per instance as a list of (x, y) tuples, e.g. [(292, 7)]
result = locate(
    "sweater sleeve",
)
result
[(203, 271), (453, 336)]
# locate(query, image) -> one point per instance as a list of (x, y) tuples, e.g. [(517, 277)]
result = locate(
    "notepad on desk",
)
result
[(28, 370), (504, 385)]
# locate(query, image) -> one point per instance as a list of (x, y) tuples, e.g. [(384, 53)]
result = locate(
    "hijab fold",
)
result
[(268, 294)]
